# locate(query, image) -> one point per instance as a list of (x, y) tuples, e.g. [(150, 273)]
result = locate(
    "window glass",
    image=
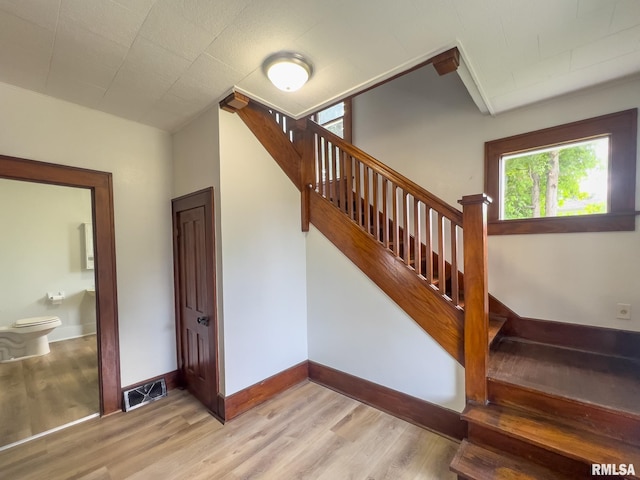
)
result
[(330, 114), (557, 181)]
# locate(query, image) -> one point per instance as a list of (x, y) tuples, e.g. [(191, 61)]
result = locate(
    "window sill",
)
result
[(609, 222)]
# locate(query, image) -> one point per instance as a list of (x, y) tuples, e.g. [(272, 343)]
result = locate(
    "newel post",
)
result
[(476, 296), (303, 142)]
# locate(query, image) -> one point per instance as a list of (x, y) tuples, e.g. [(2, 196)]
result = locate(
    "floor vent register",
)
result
[(147, 393)]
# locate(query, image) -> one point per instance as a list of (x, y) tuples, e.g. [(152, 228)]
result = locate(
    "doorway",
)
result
[(195, 296), (101, 187), (43, 249)]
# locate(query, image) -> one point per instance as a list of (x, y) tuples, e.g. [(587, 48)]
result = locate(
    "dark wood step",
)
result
[(474, 462), (595, 418), (588, 377), (544, 432)]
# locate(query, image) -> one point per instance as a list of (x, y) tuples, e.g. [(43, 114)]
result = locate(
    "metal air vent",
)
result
[(147, 393)]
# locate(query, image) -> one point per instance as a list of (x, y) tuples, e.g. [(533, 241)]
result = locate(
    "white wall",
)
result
[(355, 328), (428, 128), (263, 261), (41, 128), (41, 250), (260, 248), (196, 166)]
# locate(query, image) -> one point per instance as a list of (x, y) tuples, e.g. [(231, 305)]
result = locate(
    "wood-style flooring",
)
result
[(606, 381), (307, 432), (41, 393)]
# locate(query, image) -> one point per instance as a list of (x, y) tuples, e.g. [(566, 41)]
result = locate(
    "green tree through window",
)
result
[(559, 181)]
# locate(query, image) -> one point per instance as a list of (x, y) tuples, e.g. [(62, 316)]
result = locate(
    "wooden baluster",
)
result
[(417, 236), (455, 294), (342, 193), (335, 197), (476, 296), (349, 170), (319, 163), (326, 168), (375, 208), (366, 209), (442, 272), (396, 221), (358, 193), (429, 243), (405, 233), (385, 212)]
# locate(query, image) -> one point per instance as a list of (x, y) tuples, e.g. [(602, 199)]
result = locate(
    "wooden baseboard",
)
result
[(248, 398), (607, 341), (411, 409)]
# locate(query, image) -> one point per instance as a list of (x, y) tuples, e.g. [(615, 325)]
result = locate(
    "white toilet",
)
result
[(27, 337)]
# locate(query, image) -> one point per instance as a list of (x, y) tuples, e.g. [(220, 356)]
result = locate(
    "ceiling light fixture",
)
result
[(288, 71)]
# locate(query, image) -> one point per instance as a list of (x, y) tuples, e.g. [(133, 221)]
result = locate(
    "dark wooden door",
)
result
[(194, 267)]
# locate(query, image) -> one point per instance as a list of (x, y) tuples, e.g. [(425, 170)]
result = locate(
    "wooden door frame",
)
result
[(101, 186), (192, 200)]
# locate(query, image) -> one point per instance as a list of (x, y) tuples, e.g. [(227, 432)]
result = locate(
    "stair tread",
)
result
[(601, 420), (547, 433), (609, 382), (495, 325), (477, 463)]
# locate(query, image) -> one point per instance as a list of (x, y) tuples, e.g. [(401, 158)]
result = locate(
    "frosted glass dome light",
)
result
[(288, 71)]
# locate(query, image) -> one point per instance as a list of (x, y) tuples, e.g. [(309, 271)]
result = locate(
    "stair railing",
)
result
[(420, 229)]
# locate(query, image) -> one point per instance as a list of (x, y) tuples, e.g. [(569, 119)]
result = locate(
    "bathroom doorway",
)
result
[(99, 352), (46, 260)]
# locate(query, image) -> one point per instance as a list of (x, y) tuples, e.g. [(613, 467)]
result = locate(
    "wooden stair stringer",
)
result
[(274, 140), (423, 304)]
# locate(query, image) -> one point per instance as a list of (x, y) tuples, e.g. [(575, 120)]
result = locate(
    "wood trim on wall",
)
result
[(100, 184), (254, 395), (411, 409)]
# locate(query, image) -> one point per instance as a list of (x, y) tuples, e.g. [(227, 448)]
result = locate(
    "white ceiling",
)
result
[(161, 62)]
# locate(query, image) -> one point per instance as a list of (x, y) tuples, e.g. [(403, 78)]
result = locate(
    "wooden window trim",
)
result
[(622, 128)]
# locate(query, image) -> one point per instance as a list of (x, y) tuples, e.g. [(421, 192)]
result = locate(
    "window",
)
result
[(336, 119), (577, 177)]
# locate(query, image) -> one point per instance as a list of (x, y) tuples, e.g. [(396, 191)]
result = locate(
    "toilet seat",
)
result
[(34, 321)]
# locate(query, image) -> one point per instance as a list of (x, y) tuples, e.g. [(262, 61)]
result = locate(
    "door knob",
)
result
[(203, 321)]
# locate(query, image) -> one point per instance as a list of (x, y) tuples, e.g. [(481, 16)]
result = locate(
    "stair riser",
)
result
[(499, 442), (591, 417)]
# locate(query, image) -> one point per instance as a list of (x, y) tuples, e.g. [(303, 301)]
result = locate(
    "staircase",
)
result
[(544, 400), (554, 410)]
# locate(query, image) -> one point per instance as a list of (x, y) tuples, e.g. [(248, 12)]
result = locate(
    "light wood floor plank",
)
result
[(307, 432), (46, 392)]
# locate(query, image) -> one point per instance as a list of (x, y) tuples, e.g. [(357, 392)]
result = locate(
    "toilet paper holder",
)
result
[(55, 298)]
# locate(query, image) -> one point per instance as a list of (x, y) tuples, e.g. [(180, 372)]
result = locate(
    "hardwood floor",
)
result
[(42, 393), (607, 381), (307, 432)]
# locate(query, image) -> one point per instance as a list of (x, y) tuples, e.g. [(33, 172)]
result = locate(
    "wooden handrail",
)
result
[(413, 224), (288, 126), (394, 176)]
